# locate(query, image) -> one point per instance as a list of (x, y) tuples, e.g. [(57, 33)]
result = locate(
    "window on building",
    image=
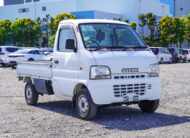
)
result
[(23, 10), (28, 1), (36, 0), (43, 8), (44, 19), (181, 9)]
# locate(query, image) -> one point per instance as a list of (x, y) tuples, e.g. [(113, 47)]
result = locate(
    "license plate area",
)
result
[(130, 98)]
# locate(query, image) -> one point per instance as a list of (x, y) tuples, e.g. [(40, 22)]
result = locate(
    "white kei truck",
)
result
[(95, 63)]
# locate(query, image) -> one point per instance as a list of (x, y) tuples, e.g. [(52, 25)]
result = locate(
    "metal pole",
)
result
[(35, 9)]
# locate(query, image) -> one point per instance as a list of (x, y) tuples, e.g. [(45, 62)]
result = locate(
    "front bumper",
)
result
[(106, 91)]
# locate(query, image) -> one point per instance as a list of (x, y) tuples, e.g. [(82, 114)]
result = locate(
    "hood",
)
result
[(117, 60)]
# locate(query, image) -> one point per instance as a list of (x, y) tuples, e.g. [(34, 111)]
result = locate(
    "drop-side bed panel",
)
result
[(35, 69)]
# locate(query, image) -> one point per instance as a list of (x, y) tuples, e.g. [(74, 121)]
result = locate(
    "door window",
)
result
[(65, 34)]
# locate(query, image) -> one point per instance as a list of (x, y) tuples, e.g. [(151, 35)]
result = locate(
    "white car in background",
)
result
[(163, 55), (26, 55), (187, 54), (5, 51)]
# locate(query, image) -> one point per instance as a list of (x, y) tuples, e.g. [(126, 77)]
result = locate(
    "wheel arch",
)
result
[(78, 87)]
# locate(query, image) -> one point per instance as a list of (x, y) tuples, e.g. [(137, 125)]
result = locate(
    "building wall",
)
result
[(35, 9), (182, 8), (171, 3), (13, 2), (99, 9)]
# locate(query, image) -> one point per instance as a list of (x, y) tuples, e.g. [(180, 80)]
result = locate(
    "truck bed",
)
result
[(35, 69)]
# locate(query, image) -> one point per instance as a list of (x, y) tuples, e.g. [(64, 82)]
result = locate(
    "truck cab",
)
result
[(96, 63)]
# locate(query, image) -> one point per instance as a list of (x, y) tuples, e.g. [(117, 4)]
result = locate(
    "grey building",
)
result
[(182, 8), (13, 2)]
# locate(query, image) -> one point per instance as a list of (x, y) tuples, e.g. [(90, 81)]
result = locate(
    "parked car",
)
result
[(178, 54), (26, 55), (162, 54), (187, 54), (47, 50), (92, 69), (4, 52)]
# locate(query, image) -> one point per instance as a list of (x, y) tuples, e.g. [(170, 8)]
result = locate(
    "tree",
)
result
[(5, 31), (46, 32), (126, 20), (59, 18), (143, 20), (151, 23), (187, 29), (26, 32), (51, 40), (182, 31), (175, 30), (165, 27), (133, 25)]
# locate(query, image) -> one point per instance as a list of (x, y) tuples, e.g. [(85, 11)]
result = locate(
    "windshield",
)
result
[(102, 35)]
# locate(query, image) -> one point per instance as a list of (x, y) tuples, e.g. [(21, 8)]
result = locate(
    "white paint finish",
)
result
[(67, 74)]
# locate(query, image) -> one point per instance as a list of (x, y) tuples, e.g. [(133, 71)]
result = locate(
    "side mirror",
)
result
[(70, 44)]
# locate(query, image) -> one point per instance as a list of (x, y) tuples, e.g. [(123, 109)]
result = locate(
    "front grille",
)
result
[(130, 76), (122, 90)]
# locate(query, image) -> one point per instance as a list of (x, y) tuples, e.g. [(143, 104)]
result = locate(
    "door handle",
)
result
[(56, 62)]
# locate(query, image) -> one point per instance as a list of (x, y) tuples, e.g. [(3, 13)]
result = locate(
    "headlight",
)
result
[(100, 72), (153, 70)]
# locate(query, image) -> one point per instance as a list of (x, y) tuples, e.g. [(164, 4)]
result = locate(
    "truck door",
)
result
[(65, 63)]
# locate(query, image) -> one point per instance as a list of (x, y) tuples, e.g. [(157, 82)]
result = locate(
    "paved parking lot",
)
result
[(54, 117)]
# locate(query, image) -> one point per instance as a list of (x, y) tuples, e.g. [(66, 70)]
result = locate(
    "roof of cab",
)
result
[(79, 21)]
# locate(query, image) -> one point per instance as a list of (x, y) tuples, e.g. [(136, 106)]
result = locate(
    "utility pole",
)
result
[(35, 9)]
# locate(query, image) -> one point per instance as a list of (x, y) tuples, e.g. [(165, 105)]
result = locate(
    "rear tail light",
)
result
[(187, 53), (2, 53)]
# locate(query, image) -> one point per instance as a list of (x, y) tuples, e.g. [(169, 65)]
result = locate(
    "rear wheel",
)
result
[(85, 106), (31, 59), (161, 61), (31, 95), (171, 60), (3, 64), (149, 106), (184, 60)]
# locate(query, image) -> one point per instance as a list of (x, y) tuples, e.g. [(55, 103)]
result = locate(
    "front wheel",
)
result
[(149, 106), (85, 106), (31, 95), (13, 66)]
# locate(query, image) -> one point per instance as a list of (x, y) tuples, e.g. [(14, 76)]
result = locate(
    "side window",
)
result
[(161, 50), (31, 52), (41, 53), (66, 33)]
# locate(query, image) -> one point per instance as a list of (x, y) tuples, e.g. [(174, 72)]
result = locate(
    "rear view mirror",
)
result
[(70, 44)]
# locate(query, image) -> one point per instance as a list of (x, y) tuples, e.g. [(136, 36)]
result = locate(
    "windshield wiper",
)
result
[(114, 47)]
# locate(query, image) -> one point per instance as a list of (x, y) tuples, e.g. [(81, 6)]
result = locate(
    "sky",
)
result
[(1, 3)]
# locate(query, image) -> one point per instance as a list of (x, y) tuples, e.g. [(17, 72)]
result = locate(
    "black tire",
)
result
[(161, 61), (13, 66), (31, 59), (149, 106), (91, 110), (184, 60), (171, 61), (3, 64), (31, 95)]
